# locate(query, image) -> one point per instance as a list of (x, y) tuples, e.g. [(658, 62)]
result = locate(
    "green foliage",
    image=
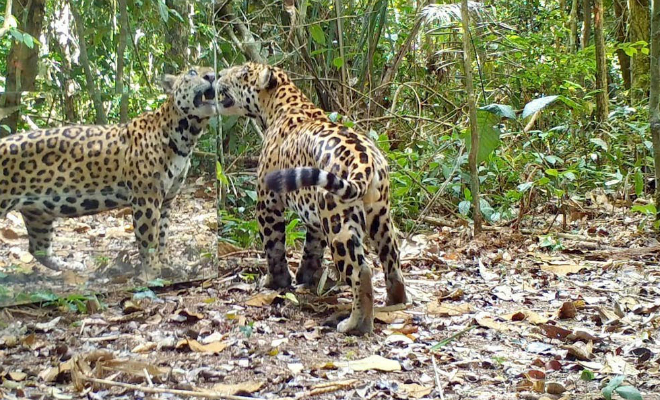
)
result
[(626, 392)]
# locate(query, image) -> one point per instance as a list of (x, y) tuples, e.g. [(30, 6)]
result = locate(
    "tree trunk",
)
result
[(121, 50), (639, 30), (573, 24), (586, 25), (474, 133), (94, 93), (602, 102), (621, 13), (176, 49), (654, 100), (22, 61)]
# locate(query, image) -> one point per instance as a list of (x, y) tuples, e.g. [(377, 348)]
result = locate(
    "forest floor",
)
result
[(505, 315)]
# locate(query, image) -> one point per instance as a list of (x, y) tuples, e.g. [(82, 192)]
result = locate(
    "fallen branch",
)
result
[(146, 389)]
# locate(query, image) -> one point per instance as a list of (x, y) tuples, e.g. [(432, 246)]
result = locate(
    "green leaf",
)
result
[(647, 209), (163, 10), (489, 134), (28, 40), (16, 34), (291, 297), (630, 51), (587, 375), (464, 207), (614, 383), (317, 34), (552, 172), (537, 105), (502, 110), (600, 143), (338, 62), (628, 393)]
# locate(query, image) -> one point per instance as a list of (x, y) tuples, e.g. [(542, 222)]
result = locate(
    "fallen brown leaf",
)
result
[(567, 310), (448, 310), (262, 299), (374, 362), (193, 345), (555, 332), (244, 388), (392, 317), (563, 269), (415, 390)]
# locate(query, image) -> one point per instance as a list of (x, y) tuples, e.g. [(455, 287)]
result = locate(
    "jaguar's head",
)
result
[(193, 92)]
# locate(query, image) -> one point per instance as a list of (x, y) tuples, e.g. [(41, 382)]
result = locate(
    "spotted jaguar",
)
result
[(73, 171), (335, 179)]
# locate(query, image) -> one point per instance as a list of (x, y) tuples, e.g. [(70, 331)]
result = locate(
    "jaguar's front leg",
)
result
[(146, 222)]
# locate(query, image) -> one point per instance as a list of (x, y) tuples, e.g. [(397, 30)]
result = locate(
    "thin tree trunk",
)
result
[(474, 133), (121, 49), (639, 31), (586, 25), (176, 49), (22, 62), (95, 94), (654, 100), (573, 24), (621, 13), (340, 36), (602, 103), (67, 84)]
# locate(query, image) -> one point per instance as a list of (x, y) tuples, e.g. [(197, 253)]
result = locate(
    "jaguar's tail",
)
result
[(288, 180)]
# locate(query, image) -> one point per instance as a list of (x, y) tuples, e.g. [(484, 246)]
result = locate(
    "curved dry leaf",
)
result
[(489, 322), (563, 269), (554, 388), (193, 345), (392, 317), (415, 390), (248, 387), (567, 310), (262, 299), (579, 350), (555, 332), (374, 362), (449, 310)]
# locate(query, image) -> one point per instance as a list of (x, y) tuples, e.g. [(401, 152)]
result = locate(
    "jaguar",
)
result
[(78, 170), (335, 179)]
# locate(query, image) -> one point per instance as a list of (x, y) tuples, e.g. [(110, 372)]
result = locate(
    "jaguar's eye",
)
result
[(192, 72)]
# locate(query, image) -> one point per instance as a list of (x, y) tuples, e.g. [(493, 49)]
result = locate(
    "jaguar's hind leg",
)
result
[(40, 233), (270, 215), (381, 229), (347, 246), (310, 267)]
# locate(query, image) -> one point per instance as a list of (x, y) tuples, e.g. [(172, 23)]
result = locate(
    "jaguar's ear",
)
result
[(167, 82), (267, 79)]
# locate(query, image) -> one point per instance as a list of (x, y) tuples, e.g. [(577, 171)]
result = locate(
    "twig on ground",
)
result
[(146, 389), (441, 391)]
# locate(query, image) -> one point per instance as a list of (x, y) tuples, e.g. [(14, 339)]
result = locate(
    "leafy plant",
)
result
[(615, 385)]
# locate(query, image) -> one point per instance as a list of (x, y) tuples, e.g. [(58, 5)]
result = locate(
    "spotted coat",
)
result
[(82, 170), (335, 179)]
